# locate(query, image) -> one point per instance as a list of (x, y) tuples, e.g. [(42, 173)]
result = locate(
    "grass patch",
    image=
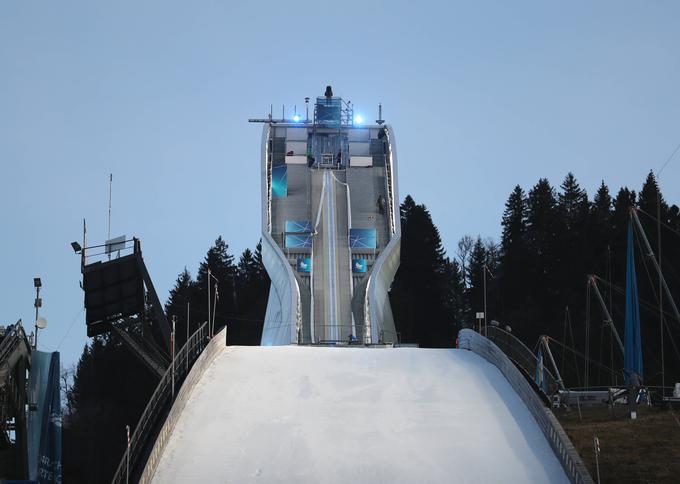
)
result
[(646, 450)]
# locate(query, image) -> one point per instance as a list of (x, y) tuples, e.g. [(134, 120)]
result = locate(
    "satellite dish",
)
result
[(41, 323)]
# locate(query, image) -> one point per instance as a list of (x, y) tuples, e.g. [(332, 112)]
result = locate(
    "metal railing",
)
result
[(522, 357), (562, 447), (158, 403), (384, 336), (13, 338), (389, 183)]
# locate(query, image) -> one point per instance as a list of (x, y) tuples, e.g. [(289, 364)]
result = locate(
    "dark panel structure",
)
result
[(113, 290)]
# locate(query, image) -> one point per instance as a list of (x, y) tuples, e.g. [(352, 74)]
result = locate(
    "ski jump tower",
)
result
[(330, 226)]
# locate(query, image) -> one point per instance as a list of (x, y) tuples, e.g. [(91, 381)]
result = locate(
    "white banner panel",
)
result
[(360, 161)]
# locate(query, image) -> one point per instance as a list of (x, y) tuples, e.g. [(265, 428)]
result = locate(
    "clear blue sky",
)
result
[(481, 97)]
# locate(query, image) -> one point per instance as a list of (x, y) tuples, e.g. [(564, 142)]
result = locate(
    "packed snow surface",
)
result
[(363, 415)]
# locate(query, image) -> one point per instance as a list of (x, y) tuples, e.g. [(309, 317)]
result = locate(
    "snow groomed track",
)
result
[(318, 414)]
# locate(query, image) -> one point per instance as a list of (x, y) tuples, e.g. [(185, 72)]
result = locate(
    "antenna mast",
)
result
[(110, 189)]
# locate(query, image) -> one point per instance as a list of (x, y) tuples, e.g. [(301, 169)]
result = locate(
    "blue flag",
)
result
[(632, 361), (539, 368)]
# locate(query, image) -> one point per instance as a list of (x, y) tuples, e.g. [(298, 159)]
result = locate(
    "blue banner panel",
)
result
[(280, 181), (298, 241), (298, 226), (359, 265), (304, 265), (362, 239), (632, 356), (44, 423), (328, 111)]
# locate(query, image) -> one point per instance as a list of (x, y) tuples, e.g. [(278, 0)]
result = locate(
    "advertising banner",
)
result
[(298, 226), (359, 266), (280, 181), (304, 265), (362, 239), (298, 241)]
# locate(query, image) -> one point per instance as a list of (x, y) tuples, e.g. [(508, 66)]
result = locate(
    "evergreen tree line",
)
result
[(536, 277), (552, 240)]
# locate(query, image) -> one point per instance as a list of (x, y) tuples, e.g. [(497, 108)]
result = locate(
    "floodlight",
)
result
[(358, 119), (37, 282), (41, 323), (296, 118), (76, 247)]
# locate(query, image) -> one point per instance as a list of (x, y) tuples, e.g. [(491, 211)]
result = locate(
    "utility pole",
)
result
[(110, 190), (214, 311), (187, 341), (37, 283), (172, 351), (209, 301), (658, 236), (127, 456), (486, 269), (485, 313), (650, 254), (211, 329)]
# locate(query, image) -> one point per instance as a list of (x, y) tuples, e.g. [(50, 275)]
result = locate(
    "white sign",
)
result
[(480, 315), (115, 244)]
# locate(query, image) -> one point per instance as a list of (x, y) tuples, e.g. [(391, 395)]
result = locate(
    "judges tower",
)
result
[(330, 226)]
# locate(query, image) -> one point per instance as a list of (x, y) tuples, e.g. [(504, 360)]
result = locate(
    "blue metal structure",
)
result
[(632, 341)]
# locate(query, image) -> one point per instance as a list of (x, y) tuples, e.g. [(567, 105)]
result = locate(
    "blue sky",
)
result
[(483, 96)]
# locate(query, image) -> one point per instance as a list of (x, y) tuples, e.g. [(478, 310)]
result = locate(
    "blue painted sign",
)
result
[(359, 266), (280, 181), (298, 226), (363, 239), (298, 241), (304, 265)]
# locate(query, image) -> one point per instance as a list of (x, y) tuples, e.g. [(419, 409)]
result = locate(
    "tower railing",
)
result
[(390, 185)]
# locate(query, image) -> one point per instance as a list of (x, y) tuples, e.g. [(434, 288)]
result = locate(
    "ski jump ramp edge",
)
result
[(321, 414)]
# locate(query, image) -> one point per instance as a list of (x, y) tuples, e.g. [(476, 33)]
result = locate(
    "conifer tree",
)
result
[(514, 222), (477, 266), (110, 390), (253, 285), (570, 250), (573, 203), (598, 233), (221, 265), (422, 294), (184, 292)]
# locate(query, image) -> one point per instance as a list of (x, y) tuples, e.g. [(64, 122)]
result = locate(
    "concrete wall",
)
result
[(283, 317), (378, 312)]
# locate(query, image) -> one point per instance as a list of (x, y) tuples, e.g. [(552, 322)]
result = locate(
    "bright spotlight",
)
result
[(296, 118), (358, 119)]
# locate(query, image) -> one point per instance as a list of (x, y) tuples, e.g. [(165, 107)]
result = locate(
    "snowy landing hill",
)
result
[(296, 414)]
